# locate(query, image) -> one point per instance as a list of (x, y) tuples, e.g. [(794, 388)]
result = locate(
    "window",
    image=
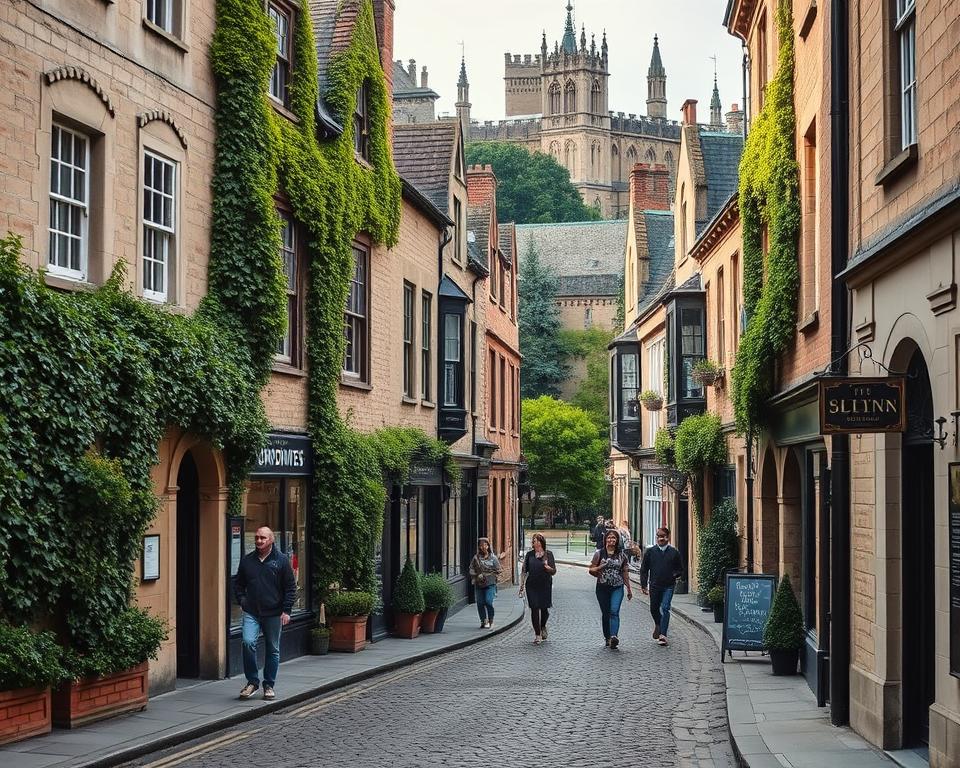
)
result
[(494, 279), (159, 225), (905, 28), (629, 387), (492, 390), (288, 254), (280, 77), (721, 320), (457, 229), (596, 98), (426, 318), (69, 196), (160, 12), (514, 399), (451, 511), (555, 99), (361, 121), (503, 514), (473, 366), (735, 289), (761, 59), (691, 350), (355, 326), (408, 337), (503, 394), (683, 222), (503, 284), (588, 318), (452, 364), (652, 507), (570, 97), (655, 383), (809, 226)]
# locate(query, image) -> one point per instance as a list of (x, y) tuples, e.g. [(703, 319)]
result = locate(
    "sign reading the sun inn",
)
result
[(860, 405)]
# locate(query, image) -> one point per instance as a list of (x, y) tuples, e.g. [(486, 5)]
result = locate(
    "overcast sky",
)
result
[(691, 32)]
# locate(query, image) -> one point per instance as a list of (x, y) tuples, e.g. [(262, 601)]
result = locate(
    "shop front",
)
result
[(278, 497)]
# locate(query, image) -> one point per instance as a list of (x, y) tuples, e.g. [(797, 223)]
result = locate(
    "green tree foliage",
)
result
[(544, 365), (565, 455), (784, 628), (718, 548), (593, 393), (532, 188), (700, 445), (408, 594)]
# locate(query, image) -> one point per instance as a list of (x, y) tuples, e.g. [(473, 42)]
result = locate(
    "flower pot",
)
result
[(347, 633), (24, 712), (441, 618), (652, 405), (78, 702), (319, 644), (428, 622), (407, 625), (784, 662), (705, 378), (718, 613)]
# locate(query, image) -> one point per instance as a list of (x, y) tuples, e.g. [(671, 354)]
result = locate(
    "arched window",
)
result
[(595, 160), (651, 156), (632, 158), (615, 170), (555, 150), (570, 157), (570, 97), (668, 160), (555, 99), (596, 98)]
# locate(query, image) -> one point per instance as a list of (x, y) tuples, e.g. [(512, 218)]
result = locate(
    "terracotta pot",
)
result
[(428, 622), (784, 662), (441, 620), (652, 405), (78, 702), (24, 712), (347, 633), (407, 625)]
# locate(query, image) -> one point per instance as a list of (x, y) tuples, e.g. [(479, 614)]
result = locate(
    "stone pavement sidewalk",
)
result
[(190, 712)]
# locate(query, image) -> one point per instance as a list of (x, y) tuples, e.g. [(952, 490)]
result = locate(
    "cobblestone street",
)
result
[(569, 701)]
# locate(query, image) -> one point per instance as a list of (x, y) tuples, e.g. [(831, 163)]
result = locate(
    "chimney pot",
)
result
[(423, 77), (689, 110)]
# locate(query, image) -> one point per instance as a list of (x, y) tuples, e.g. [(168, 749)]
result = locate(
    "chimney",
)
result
[(735, 119), (481, 184), (650, 187), (689, 110), (412, 70), (423, 77), (383, 11)]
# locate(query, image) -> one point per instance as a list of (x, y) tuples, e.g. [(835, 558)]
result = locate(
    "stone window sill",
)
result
[(172, 39), (286, 369), (809, 323), (897, 166), (427, 404), (281, 110), (352, 383), (62, 283), (409, 400)]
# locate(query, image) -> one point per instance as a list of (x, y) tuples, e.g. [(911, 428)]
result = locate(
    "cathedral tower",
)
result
[(656, 84), (463, 100)]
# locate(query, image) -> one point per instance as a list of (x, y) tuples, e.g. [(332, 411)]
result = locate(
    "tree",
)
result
[(593, 393), (565, 456), (544, 364), (532, 188)]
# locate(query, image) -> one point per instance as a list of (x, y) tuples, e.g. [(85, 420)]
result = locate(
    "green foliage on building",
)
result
[(532, 188)]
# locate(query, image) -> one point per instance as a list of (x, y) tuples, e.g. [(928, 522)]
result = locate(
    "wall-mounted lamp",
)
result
[(941, 436), (955, 415)]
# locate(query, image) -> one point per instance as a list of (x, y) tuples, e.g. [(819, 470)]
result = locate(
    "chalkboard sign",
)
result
[(746, 606), (954, 559)]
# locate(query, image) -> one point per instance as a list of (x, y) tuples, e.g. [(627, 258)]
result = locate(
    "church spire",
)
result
[(656, 84), (569, 36), (716, 118), (463, 99)]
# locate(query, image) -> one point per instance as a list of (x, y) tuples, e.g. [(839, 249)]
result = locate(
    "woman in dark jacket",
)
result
[(536, 579)]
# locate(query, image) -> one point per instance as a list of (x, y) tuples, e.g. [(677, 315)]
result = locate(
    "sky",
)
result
[(691, 33)]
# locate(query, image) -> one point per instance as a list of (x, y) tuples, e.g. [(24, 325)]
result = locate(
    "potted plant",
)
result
[(347, 614), (715, 598), (319, 640), (408, 604), (783, 633), (29, 663), (706, 372), (112, 677), (437, 599), (652, 401)]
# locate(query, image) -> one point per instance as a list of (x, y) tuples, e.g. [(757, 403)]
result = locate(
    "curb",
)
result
[(140, 750)]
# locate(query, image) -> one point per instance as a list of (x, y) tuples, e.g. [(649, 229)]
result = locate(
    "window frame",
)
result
[(426, 342), (503, 393), (359, 319), (288, 349), (361, 121), (169, 232), (283, 62), (721, 319), (457, 230), (83, 205), (409, 337), (455, 363), (905, 32), (629, 406), (167, 24), (492, 389)]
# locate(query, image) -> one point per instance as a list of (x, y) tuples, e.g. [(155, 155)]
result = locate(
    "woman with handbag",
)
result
[(537, 580), (610, 565), (484, 570)]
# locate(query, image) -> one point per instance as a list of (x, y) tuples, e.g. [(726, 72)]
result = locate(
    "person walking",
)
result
[(484, 570), (661, 567), (610, 565), (598, 531), (536, 578), (266, 588)]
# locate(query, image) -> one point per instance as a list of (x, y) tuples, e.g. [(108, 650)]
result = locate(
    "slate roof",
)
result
[(654, 299), (478, 226), (423, 155), (721, 161), (660, 245), (506, 241), (404, 85), (586, 256), (333, 23)]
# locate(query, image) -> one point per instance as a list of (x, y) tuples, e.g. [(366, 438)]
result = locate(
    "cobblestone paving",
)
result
[(506, 702)]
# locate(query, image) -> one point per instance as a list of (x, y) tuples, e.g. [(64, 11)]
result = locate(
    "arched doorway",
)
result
[(917, 559), (188, 568), (768, 531)]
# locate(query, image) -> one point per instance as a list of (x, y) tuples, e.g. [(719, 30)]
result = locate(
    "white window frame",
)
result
[(282, 36), (652, 507), (426, 340), (150, 227), (409, 338), (288, 257), (905, 28), (160, 12), (72, 202), (655, 383), (452, 358), (629, 382), (356, 317)]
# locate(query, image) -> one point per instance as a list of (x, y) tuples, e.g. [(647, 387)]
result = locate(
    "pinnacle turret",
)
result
[(656, 84), (716, 109), (656, 65), (569, 36)]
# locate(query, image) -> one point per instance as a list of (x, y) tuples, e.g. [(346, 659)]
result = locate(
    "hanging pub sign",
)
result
[(860, 405)]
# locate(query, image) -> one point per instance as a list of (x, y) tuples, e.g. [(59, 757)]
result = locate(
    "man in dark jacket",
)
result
[(598, 532), (661, 567), (265, 587)]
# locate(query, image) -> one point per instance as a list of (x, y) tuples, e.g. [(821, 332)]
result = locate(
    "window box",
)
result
[(24, 712)]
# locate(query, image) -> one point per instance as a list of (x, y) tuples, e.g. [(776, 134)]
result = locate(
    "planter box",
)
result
[(784, 662), (407, 625), (78, 702), (24, 712), (347, 633), (428, 623)]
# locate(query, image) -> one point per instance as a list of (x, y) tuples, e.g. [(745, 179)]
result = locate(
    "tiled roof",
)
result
[(721, 161), (506, 241), (660, 244), (652, 301), (404, 85), (478, 227), (586, 256), (423, 154)]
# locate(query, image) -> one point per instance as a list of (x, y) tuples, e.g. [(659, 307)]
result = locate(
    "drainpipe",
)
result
[(748, 481), (839, 618), (746, 80)]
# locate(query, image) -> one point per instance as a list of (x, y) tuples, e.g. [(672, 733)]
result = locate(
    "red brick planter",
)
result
[(78, 702), (24, 712), (347, 633)]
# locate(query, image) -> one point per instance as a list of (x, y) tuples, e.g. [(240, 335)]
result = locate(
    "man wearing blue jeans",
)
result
[(265, 587), (661, 567)]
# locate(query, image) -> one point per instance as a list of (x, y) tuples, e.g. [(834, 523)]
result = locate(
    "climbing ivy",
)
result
[(769, 199)]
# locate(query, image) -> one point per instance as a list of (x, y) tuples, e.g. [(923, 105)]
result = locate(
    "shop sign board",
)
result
[(746, 606), (860, 405), (284, 455), (425, 474)]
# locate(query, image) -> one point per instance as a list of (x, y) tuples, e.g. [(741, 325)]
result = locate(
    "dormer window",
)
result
[(361, 122)]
